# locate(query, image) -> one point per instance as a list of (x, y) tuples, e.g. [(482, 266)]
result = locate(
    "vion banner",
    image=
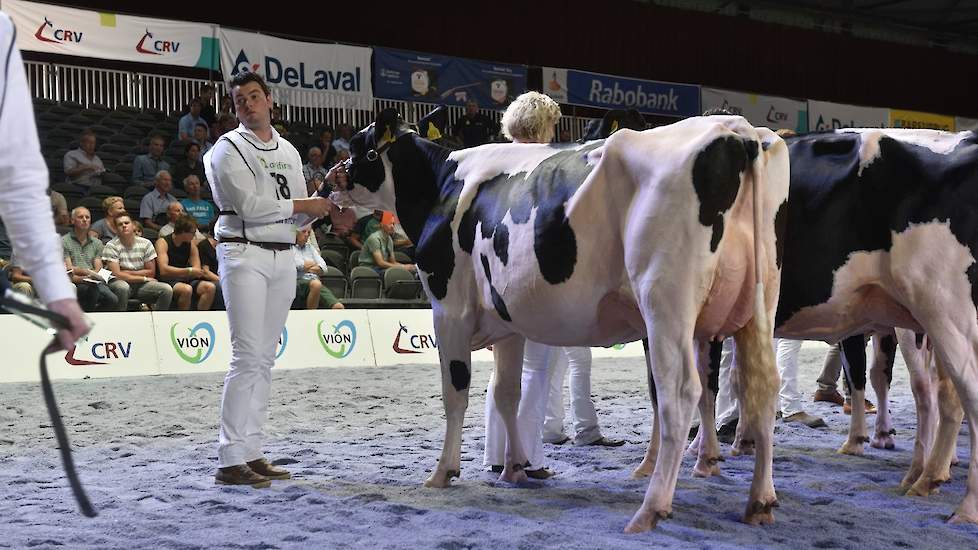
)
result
[(307, 74), (616, 92), (87, 33), (760, 110)]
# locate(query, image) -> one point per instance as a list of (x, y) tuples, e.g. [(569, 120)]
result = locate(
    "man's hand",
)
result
[(77, 325), (316, 207)]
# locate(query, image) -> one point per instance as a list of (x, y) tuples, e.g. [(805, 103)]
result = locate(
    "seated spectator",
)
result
[(378, 248), (207, 251), (202, 210), (228, 122), (178, 262), (185, 127), (132, 259), (105, 228), (314, 171), (152, 209), (145, 167), (59, 207), (82, 167), (207, 111), (201, 137), (326, 146), (310, 265), (83, 259), (226, 108), (344, 132), (20, 281), (474, 128), (190, 165), (173, 212)]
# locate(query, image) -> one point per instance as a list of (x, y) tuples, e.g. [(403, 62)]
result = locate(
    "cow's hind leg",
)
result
[(647, 466), (937, 466), (707, 446), (454, 354), (758, 382), (881, 374), (923, 384), (854, 362)]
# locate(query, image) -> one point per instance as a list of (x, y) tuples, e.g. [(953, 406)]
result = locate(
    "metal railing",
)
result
[(113, 89)]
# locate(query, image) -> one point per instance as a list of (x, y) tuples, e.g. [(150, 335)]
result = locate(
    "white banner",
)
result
[(963, 123), (823, 115), (760, 110), (86, 33), (301, 73), (326, 338)]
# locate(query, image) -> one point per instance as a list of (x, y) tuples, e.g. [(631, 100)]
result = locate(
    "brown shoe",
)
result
[(829, 396), (539, 473), (806, 419), (607, 442), (870, 408), (265, 468), (241, 475)]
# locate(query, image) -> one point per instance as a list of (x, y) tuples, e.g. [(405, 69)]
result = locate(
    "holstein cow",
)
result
[(882, 231), (646, 234)]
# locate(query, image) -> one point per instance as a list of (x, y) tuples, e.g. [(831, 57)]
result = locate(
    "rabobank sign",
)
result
[(646, 96)]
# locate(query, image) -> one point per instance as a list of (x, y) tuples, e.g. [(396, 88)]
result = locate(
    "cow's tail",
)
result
[(755, 173)]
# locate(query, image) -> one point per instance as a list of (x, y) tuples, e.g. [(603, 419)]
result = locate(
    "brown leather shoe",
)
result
[(829, 396), (241, 475), (607, 442), (870, 408), (539, 473), (265, 468)]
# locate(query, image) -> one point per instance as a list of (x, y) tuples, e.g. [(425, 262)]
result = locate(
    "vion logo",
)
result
[(194, 345), (242, 65), (102, 351), (149, 45), (283, 341), (47, 32), (405, 342), (339, 341)]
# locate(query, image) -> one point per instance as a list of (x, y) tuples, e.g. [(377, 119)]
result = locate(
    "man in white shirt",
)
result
[(309, 264), (82, 166), (24, 205), (258, 186)]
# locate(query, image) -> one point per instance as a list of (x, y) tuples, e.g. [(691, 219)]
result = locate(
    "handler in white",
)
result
[(258, 186), (24, 204)]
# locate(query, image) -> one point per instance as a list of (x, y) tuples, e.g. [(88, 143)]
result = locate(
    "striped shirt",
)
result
[(130, 259), (82, 255)]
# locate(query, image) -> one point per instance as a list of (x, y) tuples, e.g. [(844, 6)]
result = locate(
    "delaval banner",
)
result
[(86, 33), (614, 92), (760, 110), (430, 78), (305, 74), (823, 115), (916, 119)]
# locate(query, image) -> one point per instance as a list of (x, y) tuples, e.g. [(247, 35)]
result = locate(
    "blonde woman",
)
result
[(105, 228), (531, 118)]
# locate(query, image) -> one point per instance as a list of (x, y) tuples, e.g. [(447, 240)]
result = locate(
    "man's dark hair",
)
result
[(154, 137), (184, 224), (186, 148), (197, 101), (243, 78), (204, 124)]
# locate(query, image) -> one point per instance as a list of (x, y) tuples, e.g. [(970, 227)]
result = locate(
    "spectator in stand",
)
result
[(207, 251), (326, 146), (201, 135), (178, 262), (59, 207), (310, 265), (20, 281), (225, 109), (83, 260), (314, 171), (145, 167), (152, 209), (474, 128), (378, 248), (207, 110), (344, 132), (192, 164), (201, 210), (228, 123), (132, 259), (105, 228), (173, 212), (82, 167), (185, 128)]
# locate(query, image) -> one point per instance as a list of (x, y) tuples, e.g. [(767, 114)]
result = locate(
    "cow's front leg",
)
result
[(881, 374), (854, 363), (706, 442), (647, 466), (455, 355), (923, 384), (677, 388)]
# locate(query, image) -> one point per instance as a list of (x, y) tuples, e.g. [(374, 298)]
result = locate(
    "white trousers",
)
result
[(258, 287), (535, 386), (578, 361), (790, 398)]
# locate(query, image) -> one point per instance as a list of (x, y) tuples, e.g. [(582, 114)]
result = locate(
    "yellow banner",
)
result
[(917, 119)]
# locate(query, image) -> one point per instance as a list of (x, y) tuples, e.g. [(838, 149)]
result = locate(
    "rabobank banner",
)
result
[(306, 74), (416, 76), (760, 110), (964, 123), (900, 118), (616, 92), (88, 33), (824, 115)]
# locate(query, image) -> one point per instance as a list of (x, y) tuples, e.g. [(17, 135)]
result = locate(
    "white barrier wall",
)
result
[(178, 342)]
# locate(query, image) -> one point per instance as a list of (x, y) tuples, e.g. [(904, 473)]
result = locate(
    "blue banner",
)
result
[(415, 76), (615, 92)]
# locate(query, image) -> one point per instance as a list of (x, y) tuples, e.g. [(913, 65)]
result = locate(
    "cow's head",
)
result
[(370, 179)]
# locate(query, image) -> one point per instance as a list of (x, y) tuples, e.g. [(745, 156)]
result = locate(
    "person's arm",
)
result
[(146, 213), (74, 273), (163, 257), (126, 275), (138, 174), (185, 128), (73, 168), (194, 271)]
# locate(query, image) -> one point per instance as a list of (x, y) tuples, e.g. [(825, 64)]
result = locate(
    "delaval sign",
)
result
[(303, 73), (615, 92)]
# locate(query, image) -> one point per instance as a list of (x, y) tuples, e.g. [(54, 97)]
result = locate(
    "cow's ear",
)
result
[(386, 126)]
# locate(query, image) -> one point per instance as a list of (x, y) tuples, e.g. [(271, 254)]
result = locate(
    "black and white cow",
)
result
[(666, 234), (882, 231)]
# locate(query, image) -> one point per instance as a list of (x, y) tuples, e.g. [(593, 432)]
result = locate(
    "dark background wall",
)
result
[(620, 37)]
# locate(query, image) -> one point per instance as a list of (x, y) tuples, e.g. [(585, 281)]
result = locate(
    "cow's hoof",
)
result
[(514, 476), (924, 487), (959, 517), (706, 467), (644, 521), (851, 448), (955, 460), (885, 442), (440, 481), (761, 512), (643, 470), (909, 479), (742, 448)]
